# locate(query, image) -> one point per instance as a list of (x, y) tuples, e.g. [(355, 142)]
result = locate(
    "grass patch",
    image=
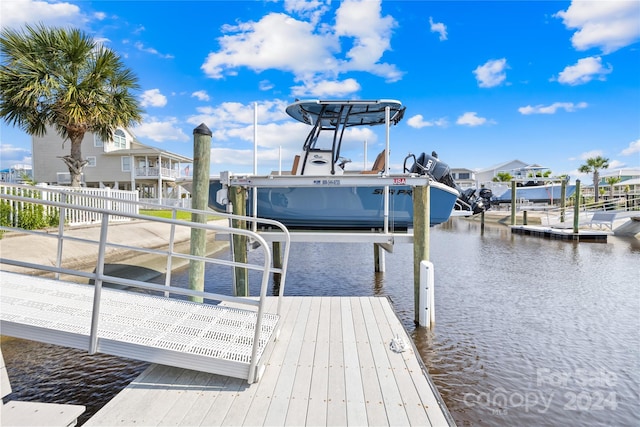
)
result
[(160, 213)]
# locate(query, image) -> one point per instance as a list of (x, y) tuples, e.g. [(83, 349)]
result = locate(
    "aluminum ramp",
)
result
[(228, 336), (184, 334)]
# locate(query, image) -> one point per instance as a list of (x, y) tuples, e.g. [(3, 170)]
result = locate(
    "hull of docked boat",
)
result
[(333, 203)]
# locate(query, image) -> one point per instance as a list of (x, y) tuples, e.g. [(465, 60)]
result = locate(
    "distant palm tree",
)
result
[(502, 177), (64, 79), (593, 165), (612, 180)]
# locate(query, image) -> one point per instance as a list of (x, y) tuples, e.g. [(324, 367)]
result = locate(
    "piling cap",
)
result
[(202, 130)]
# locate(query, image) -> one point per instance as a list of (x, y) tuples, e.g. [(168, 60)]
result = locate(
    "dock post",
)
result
[(200, 200), (482, 222), (576, 209), (421, 223), (238, 199), (277, 263), (513, 202), (427, 295), (524, 218), (563, 199), (378, 258)]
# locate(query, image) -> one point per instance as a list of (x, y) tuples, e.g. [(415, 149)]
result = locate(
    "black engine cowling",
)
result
[(439, 171)]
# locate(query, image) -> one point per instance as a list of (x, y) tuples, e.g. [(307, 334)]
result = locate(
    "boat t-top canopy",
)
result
[(346, 112), (336, 116)]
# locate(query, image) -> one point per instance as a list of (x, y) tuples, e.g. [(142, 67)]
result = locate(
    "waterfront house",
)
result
[(122, 163), (16, 174), (484, 177)]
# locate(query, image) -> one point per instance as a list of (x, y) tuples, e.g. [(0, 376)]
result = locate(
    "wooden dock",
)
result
[(560, 233), (332, 365)]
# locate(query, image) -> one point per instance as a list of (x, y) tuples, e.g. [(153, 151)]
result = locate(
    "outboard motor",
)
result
[(427, 164), (439, 171)]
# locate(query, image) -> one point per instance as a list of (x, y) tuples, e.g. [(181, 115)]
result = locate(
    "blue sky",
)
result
[(544, 82)]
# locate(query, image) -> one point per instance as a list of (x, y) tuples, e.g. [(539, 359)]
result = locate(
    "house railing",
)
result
[(100, 198), (155, 172)]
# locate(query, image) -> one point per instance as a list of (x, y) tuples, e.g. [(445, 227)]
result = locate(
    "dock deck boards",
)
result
[(332, 365)]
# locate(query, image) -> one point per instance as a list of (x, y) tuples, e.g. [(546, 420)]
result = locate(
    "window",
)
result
[(97, 141), (463, 175), (91, 161), (119, 139), (126, 163)]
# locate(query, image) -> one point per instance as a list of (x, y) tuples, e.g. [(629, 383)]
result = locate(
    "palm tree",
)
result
[(502, 177), (593, 165), (612, 180), (62, 78)]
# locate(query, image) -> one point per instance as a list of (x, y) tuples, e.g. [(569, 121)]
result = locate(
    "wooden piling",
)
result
[(576, 209), (563, 199), (378, 258), (199, 200), (238, 199), (513, 202), (277, 262), (421, 224)]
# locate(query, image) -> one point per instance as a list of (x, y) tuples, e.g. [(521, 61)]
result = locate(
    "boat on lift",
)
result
[(334, 197), (535, 184)]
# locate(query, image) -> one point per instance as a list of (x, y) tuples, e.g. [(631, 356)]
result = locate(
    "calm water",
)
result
[(528, 331)]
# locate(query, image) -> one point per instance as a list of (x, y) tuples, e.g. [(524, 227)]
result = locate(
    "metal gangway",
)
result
[(166, 324)]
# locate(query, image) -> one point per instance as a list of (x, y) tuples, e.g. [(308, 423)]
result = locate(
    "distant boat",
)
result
[(535, 185), (332, 203)]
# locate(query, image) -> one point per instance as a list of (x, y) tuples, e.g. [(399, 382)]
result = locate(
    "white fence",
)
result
[(100, 198)]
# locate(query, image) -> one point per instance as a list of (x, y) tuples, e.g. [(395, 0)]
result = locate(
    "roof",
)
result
[(142, 149), (500, 166)]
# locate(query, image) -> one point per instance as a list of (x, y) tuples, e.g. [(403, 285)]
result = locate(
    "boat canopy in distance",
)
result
[(346, 113)]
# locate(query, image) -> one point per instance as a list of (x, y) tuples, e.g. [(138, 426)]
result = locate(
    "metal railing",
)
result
[(558, 215), (99, 276)]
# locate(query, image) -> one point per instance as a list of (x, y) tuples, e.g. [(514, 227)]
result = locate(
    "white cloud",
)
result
[(312, 52), (16, 13), (265, 85), (276, 41), (471, 119), (438, 27), (634, 147), (371, 37), (419, 122), (551, 109), (202, 95), (608, 25), (492, 73), (11, 155), (326, 88), (161, 130), (229, 115), (153, 98), (585, 70), (142, 48)]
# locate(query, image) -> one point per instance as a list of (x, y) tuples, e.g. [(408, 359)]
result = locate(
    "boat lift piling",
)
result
[(200, 199)]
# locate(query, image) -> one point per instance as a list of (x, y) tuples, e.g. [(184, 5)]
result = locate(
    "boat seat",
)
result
[(378, 164), (16, 413), (296, 161)]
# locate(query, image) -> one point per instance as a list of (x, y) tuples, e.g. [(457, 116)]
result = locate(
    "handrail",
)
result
[(554, 214), (99, 275)]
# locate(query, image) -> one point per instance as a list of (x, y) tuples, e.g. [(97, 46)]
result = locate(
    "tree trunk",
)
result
[(596, 186), (74, 161)]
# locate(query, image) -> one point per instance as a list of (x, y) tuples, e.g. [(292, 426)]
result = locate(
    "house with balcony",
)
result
[(122, 164)]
